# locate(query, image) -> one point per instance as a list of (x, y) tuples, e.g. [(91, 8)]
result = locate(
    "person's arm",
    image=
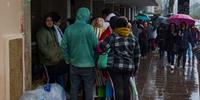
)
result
[(65, 46), (43, 43), (104, 45), (93, 37)]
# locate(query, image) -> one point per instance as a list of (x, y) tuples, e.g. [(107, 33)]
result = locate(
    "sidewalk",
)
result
[(157, 82)]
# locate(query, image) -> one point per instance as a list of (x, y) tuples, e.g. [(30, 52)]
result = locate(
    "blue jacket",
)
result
[(184, 38)]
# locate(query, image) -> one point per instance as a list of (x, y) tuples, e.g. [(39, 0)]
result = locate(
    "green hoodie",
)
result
[(79, 41)]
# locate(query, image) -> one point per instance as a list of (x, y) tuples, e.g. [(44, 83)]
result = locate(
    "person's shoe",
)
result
[(171, 71), (172, 67)]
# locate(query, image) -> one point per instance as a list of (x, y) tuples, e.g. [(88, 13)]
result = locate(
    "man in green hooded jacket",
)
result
[(78, 45)]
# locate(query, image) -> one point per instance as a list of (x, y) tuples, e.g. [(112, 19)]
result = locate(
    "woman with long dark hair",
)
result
[(170, 43), (184, 37)]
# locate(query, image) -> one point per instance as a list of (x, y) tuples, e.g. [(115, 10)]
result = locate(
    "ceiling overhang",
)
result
[(137, 3)]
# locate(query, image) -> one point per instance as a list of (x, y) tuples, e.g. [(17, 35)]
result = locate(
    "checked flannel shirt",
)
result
[(124, 51)]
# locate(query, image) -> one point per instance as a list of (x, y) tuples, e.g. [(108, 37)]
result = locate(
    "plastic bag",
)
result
[(134, 92), (46, 92)]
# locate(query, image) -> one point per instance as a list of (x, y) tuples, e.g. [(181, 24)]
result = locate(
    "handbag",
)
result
[(103, 59)]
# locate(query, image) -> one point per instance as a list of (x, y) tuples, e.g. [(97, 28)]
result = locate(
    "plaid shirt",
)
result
[(124, 52)]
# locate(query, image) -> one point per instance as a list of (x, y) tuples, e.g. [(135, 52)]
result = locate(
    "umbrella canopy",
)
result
[(143, 17), (179, 18), (161, 19)]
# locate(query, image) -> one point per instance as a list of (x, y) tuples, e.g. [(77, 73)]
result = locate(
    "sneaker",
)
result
[(172, 67), (171, 71)]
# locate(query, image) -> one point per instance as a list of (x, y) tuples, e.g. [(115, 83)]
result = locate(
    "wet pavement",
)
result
[(156, 81)]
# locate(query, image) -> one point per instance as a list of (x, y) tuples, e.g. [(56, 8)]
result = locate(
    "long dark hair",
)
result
[(175, 27), (45, 18)]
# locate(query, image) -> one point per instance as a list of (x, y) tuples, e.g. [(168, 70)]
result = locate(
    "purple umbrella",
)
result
[(178, 18)]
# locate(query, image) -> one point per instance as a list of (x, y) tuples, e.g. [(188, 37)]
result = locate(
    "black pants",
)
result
[(121, 84), (143, 48), (58, 73), (181, 52)]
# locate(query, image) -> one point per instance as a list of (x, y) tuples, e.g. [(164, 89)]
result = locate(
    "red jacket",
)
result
[(105, 34)]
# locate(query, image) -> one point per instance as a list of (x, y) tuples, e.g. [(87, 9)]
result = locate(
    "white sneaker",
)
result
[(172, 66)]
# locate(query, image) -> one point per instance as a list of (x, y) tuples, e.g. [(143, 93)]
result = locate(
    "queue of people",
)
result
[(75, 51)]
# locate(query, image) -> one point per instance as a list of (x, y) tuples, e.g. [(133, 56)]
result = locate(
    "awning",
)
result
[(134, 2)]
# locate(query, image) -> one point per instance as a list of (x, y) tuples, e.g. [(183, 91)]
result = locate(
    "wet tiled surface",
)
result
[(156, 81)]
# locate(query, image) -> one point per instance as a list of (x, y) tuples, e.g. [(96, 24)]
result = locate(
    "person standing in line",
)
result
[(123, 58), (49, 51), (78, 45)]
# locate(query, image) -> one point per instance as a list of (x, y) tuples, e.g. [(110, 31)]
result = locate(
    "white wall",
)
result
[(10, 18), (11, 12)]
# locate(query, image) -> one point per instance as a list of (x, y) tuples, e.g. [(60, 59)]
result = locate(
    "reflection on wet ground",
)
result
[(155, 81)]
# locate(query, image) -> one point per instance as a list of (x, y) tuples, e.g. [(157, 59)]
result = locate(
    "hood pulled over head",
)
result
[(83, 14)]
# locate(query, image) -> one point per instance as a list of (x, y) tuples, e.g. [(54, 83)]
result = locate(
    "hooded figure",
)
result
[(78, 44)]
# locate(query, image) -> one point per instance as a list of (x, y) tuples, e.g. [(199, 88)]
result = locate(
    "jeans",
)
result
[(189, 52), (181, 52), (170, 57), (121, 84), (85, 75)]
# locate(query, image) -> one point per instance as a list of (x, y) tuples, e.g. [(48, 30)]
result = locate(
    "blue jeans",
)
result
[(170, 57), (85, 75), (189, 52)]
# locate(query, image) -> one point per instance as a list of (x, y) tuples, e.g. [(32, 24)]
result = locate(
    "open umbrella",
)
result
[(178, 18), (142, 17), (161, 19)]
